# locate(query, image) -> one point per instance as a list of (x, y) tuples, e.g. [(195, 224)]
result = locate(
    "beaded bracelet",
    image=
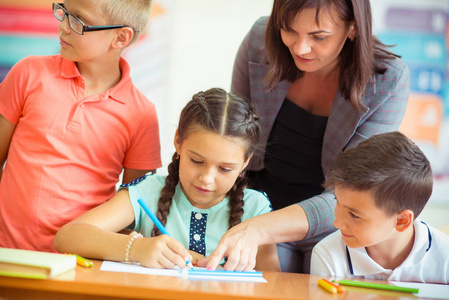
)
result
[(133, 236)]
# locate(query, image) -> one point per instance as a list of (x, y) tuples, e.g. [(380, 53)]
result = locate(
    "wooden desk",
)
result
[(91, 283)]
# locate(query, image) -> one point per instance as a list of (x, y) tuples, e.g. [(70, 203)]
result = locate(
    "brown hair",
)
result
[(225, 114), (360, 59), (390, 166)]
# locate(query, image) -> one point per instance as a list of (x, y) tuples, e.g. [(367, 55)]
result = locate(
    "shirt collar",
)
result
[(363, 265), (120, 92), (69, 69), (422, 244)]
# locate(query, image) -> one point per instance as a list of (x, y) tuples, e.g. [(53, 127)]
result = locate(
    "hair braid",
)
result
[(200, 99), (236, 201), (167, 193)]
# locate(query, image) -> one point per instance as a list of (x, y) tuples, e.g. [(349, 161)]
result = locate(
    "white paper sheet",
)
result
[(427, 290), (131, 268)]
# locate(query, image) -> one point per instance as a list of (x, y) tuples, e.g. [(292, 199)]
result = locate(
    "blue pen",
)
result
[(158, 224)]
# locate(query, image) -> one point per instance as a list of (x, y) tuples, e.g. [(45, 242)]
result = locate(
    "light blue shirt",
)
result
[(193, 227)]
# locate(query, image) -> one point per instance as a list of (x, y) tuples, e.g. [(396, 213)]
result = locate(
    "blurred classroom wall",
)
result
[(420, 29)]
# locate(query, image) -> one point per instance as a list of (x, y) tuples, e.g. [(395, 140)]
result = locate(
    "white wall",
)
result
[(206, 36)]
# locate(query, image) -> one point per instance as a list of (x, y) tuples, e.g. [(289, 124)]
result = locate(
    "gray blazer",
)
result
[(384, 103)]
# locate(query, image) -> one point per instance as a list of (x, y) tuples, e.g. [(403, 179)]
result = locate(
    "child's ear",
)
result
[(176, 142), (404, 220), (247, 162), (123, 37)]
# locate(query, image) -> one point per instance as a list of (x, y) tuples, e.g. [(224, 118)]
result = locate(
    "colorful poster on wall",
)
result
[(419, 32)]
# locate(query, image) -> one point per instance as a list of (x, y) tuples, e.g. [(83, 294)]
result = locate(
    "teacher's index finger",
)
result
[(215, 257)]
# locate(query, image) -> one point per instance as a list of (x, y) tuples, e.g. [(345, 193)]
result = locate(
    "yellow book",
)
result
[(34, 264)]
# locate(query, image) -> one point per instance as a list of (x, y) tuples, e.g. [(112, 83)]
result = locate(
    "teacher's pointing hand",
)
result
[(245, 241), (239, 245)]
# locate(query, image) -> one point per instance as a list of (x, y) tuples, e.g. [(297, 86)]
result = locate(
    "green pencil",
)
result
[(378, 286)]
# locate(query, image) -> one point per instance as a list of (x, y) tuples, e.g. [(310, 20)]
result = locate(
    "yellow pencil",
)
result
[(339, 288), (328, 287), (82, 261)]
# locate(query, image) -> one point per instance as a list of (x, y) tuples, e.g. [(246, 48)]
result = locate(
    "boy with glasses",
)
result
[(381, 187), (70, 123)]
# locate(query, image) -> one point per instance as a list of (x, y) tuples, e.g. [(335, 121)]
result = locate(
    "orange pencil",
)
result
[(339, 288), (327, 286)]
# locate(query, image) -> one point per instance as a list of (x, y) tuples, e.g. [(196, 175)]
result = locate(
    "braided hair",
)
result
[(228, 115)]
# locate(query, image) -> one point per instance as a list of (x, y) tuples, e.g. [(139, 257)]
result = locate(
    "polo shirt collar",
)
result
[(69, 69), (423, 243), (120, 92), (363, 264)]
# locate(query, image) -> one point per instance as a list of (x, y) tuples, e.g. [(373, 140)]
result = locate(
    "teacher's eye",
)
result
[(320, 38)]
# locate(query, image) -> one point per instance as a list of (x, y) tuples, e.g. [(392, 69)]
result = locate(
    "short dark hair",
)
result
[(360, 59), (390, 166)]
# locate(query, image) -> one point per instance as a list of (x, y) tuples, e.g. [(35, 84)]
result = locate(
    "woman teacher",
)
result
[(322, 83)]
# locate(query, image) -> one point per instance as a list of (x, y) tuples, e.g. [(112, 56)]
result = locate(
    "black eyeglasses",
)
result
[(76, 24)]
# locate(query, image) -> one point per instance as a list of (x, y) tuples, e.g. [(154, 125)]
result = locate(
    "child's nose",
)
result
[(338, 222), (207, 176), (64, 25)]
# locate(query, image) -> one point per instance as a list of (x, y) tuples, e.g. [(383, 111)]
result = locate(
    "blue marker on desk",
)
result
[(158, 224)]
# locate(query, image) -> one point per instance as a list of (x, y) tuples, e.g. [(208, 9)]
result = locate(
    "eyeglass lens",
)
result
[(60, 14)]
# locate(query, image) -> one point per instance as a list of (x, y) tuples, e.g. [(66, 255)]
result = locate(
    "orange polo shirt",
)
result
[(67, 151)]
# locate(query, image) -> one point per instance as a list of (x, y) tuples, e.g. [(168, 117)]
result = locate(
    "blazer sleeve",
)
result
[(320, 212), (240, 85), (251, 51)]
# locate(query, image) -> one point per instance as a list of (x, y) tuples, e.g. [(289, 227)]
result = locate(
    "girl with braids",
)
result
[(203, 195)]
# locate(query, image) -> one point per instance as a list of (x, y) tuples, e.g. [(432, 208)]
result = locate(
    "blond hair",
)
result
[(133, 13)]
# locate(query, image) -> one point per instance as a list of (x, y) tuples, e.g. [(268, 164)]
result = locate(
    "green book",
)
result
[(34, 264)]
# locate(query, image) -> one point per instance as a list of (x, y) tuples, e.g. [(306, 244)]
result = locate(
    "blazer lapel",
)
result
[(268, 103)]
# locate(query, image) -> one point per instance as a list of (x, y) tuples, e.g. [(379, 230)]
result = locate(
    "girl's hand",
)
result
[(196, 257), (161, 252)]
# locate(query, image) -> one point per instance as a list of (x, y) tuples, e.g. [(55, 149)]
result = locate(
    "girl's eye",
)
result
[(226, 170), (195, 161)]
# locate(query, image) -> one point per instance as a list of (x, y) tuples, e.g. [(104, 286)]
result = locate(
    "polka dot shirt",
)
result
[(198, 232)]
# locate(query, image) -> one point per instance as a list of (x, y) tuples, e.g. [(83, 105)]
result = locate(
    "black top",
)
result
[(293, 169)]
